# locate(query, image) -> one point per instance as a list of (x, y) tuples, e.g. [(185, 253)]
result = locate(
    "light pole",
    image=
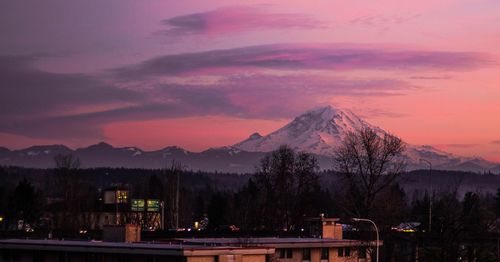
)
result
[(430, 193), (376, 230), (162, 205)]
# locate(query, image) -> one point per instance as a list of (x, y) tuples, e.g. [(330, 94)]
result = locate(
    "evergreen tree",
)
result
[(24, 204)]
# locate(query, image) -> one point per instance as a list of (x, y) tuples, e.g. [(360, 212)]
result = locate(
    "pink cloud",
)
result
[(303, 57), (229, 20), (383, 20)]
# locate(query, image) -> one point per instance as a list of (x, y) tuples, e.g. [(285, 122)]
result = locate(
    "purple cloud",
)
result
[(44, 101), (496, 142), (302, 57), (28, 90), (238, 96), (30, 96), (236, 19)]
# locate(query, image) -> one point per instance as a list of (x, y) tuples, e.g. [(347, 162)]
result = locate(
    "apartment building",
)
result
[(323, 244)]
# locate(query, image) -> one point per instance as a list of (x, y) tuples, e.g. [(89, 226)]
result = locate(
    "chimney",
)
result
[(322, 227)]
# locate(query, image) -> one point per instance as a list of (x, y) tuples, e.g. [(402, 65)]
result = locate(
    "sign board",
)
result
[(148, 205), (153, 205), (138, 205)]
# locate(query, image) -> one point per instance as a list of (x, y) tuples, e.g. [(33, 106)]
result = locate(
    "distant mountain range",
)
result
[(317, 131)]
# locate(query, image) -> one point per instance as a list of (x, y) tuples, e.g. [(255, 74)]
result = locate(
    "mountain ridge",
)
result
[(317, 131), (320, 130)]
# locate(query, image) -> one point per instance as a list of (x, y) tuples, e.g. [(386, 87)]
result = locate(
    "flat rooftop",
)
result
[(183, 246), (278, 242), (154, 248)]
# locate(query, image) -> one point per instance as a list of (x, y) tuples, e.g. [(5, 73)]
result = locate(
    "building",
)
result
[(298, 249), (329, 246), (324, 243), (98, 251), (116, 207)]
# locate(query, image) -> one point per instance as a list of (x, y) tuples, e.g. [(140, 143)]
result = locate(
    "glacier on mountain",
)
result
[(321, 130)]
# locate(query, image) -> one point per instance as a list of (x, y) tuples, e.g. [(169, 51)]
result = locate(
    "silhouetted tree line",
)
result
[(287, 188)]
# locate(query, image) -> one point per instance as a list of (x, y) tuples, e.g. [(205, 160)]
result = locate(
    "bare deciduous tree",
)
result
[(369, 162), (172, 192), (286, 181), (69, 184)]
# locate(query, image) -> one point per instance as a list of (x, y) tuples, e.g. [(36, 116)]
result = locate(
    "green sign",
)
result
[(153, 205), (137, 205)]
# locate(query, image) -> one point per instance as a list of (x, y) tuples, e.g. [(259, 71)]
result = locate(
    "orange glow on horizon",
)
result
[(192, 133)]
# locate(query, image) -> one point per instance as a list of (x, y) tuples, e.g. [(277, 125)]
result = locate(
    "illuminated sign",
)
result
[(148, 205), (153, 205), (137, 205)]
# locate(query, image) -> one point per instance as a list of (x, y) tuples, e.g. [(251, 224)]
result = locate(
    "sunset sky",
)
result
[(200, 74)]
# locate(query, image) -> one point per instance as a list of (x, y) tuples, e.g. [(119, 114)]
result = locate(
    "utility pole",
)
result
[(177, 200), (162, 205), (116, 206), (175, 172), (430, 193)]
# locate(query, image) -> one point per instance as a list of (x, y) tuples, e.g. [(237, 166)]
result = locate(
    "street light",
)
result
[(430, 193), (374, 225)]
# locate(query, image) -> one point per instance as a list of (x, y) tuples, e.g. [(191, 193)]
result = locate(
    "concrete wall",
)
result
[(333, 256), (337, 231), (30, 256), (332, 230), (201, 259), (254, 258), (228, 258)]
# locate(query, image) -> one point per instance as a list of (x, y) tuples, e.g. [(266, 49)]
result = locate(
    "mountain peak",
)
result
[(103, 144), (329, 113), (322, 109), (255, 135), (44, 147), (326, 112), (100, 146), (316, 131)]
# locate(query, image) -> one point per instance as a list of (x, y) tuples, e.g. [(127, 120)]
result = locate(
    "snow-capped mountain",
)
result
[(320, 131), (223, 159), (317, 131)]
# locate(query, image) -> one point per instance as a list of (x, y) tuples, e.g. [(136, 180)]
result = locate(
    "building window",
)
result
[(15, 256), (10, 255), (37, 257), (362, 252), (344, 252), (285, 253), (306, 254), (324, 253), (62, 257), (122, 196)]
